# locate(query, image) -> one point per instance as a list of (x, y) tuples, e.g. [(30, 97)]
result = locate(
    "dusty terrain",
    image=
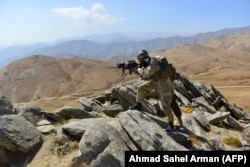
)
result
[(51, 83), (235, 94), (223, 63), (47, 158)]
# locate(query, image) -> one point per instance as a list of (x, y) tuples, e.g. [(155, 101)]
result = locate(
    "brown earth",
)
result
[(51, 83), (223, 62)]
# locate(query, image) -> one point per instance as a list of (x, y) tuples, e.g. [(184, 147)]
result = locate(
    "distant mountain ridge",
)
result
[(89, 49), (37, 77)]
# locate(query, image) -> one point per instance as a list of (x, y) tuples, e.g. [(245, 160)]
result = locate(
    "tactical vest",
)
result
[(166, 68)]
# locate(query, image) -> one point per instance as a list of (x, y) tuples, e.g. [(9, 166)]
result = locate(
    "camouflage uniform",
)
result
[(164, 87)]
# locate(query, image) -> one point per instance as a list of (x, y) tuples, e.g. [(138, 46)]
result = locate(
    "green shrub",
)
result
[(232, 141)]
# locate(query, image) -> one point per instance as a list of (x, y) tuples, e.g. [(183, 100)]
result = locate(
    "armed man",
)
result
[(156, 79)]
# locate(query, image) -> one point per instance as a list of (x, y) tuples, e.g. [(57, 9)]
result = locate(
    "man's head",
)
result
[(143, 58), (142, 55)]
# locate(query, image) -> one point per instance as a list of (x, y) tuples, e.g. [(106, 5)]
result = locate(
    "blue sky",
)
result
[(32, 21)]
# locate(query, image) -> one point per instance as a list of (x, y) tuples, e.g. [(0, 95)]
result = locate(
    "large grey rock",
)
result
[(203, 102), (46, 129), (68, 112), (193, 126), (200, 117), (218, 116), (112, 110), (146, 133), (31, 113), (18, 134), (232, 122), (126, 95), (189, 85), (6, 107), (90, 105), (102, 145), (76, 128)]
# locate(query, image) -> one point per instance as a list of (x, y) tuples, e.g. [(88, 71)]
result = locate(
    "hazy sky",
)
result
[(31, 21)]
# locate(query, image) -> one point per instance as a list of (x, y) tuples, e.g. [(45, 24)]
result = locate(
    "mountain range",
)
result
[(99, 49), (41, 80)]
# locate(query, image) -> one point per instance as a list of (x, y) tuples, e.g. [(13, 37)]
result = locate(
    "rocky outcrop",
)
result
[(6, 107), (17, 136), (105, 128)]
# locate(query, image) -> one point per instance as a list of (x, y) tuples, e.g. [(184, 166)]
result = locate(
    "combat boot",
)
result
[(137, 106), (170, 127)]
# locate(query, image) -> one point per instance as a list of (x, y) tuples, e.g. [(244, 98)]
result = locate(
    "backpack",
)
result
[(167, 69)]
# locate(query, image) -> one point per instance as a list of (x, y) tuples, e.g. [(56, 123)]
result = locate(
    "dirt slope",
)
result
[(52, 82)]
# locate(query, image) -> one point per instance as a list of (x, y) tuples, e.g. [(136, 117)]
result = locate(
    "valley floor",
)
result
[(234, 94)]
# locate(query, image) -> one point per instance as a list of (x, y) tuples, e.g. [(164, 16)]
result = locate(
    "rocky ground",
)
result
[(50, 155)]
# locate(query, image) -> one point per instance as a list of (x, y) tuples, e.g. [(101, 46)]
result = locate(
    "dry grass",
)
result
[(232, 141), (237, 94), (51, 83), (46, 157)]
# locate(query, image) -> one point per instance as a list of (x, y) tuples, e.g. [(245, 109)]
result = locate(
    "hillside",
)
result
[(38, 77), (223, 62), (239, 42), (101, 48), (45, 81), (210, 65)]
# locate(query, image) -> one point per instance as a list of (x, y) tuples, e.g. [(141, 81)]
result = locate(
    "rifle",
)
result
[(130, 65)]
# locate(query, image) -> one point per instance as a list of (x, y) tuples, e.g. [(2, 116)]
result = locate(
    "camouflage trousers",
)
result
[(164, 90)]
